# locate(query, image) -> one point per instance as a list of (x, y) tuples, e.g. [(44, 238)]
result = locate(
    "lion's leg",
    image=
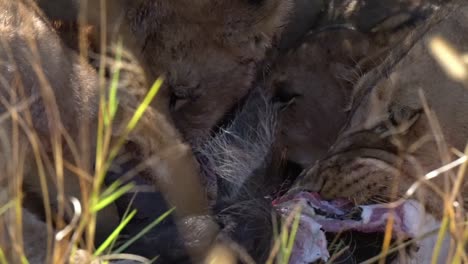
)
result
[(176, 174)]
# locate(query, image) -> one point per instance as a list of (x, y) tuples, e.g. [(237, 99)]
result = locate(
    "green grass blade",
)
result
[(112, 237), (460, 251), (105, 201), (136, 117), (144, 105), (99, 159), (105, 114), (113, 100), (24, 259), (284, 241), (127, 212), (2, 257), (144, 231), (153, 259), (292, 236), (112, 188), (295, 227), (442, 231)]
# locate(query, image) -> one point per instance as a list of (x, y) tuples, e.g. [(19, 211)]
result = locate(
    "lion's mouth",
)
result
[(318, 217)]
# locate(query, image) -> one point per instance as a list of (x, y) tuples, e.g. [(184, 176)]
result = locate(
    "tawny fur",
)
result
[(388, 137), (317, 77), (208, 52), (349, 39)]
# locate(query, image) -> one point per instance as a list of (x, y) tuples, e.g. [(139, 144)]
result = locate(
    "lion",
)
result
[(318, 75), (405, 116), (317, 79), (48, 90), (373, 16), (209, 52)]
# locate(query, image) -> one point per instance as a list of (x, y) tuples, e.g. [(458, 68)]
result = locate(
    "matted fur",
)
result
[(237, 150)]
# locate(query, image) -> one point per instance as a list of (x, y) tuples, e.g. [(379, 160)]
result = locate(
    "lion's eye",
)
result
[(399, 121), (284, 94), (182, 95), (393, 119), (176, 102), (403, 116), (381, 128)]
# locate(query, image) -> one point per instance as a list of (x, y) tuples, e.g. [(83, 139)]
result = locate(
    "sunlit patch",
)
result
[(351, 8), (220, 254), (451, 61)]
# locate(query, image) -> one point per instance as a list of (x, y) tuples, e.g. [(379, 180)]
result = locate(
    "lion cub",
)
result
[(317, 79), (318, 75), (209, 52)]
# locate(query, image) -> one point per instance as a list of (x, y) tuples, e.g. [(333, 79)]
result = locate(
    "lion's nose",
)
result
[(308, 181), (284, 94)]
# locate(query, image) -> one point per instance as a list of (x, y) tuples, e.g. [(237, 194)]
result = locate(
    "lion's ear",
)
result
[(384, 15), (400, 120), (240, 22), (304, 15), (270, 15), (258, 20), (65, 10), (404, 117)]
